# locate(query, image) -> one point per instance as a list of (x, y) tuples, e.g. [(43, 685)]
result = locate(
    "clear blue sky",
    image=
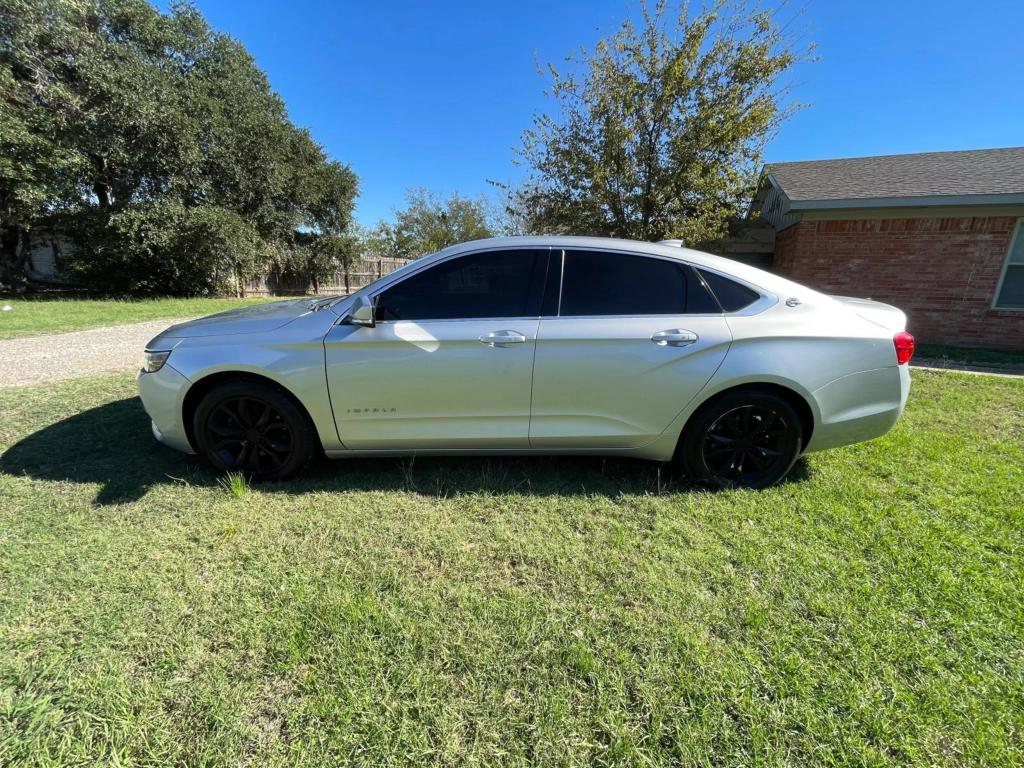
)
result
[(435, 94)]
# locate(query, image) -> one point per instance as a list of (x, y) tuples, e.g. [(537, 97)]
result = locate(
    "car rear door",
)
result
[(449, 362), (633, 339)]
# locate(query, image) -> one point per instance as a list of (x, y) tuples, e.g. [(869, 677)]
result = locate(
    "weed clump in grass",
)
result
[(235, 483)]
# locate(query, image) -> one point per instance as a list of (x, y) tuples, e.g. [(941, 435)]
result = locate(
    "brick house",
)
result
[(939, 234)]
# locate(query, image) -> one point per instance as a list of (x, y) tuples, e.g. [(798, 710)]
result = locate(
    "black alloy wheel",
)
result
[(745, 443), (253, 428), (746, 439)]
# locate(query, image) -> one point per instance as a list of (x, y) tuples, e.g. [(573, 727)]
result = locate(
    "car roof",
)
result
[(745, 272)]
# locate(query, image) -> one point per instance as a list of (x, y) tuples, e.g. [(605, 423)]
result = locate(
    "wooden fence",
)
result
[(360, 273)]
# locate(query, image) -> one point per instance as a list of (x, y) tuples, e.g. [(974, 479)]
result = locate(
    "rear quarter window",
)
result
[(731, 295)]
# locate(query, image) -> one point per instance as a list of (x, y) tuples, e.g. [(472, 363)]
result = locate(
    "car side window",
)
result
[(490, 284), (731, 295), (601, 283)]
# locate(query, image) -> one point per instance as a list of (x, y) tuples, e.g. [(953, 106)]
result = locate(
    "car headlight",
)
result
[(155, 359)]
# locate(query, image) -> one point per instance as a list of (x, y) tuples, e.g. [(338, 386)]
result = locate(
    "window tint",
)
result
[(1011, 293), (597, 283), (489, 284), (731, 295), (699, 300)]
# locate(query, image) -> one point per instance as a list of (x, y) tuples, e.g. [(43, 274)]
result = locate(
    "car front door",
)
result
[(633, 340), (449, 363)]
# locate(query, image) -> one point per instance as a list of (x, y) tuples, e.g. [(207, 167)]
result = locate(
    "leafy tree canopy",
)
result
[(155, 144), (428, 224), (659, 130)]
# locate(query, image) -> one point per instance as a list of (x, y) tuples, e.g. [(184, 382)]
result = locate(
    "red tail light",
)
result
[(904, 344)]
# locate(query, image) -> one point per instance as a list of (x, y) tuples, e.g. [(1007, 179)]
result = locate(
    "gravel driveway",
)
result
[(59, 356)]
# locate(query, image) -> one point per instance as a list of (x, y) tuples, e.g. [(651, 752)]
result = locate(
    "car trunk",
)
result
[(884, 315)]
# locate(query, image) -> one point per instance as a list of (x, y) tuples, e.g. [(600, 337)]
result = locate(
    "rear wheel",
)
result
[(746, 439), (255, 428)]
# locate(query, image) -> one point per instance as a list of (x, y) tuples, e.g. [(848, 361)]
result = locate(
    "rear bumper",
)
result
[(860, 406), (162, 394)]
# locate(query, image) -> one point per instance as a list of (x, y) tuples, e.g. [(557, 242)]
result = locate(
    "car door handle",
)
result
[(677, 337), (502, 338)]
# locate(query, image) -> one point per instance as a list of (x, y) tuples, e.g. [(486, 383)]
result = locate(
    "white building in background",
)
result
[(44, 256)]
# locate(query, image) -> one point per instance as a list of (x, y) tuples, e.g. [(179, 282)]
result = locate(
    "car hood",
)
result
[(260, 318)]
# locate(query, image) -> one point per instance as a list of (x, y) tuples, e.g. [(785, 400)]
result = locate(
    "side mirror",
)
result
[(361, 314)]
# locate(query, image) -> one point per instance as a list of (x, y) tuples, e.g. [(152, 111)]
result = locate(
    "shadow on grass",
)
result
[(111, 445)]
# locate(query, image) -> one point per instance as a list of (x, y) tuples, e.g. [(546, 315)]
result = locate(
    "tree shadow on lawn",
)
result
[(111, 445)]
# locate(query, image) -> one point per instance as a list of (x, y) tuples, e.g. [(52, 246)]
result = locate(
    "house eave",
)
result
[(907, 202)]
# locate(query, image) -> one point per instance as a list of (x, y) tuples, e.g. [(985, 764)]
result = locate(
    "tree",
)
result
[(377, 242), (167, 247), (314, 256), (147, 136), (660, 131), (428, 224), (36, 171)]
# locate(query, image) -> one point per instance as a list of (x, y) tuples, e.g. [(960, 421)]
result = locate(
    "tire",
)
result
[(254, 428), (749, 438)]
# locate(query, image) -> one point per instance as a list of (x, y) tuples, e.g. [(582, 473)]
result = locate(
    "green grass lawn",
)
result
[(870, 612), (979, 356), (28, 317)]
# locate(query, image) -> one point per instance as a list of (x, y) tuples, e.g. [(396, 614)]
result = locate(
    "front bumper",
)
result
[(860, 406), (163, 393)]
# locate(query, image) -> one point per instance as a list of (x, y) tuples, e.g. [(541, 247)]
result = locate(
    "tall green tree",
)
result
[(659, 130), (314, 256), (156, 145), (38, 171), (429, 223)]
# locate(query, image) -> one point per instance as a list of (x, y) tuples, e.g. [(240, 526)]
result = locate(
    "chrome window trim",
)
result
[(630, 317), (429, 262), (462, 320), (767, 298), (436, 262)]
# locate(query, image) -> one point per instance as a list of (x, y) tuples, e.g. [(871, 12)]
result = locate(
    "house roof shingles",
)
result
[(888, 177)]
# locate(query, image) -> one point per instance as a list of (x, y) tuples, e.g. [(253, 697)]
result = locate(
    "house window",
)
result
[(1011, 287)]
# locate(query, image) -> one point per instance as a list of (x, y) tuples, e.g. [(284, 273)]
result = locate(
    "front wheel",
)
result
[(745, 439), (254, 428)]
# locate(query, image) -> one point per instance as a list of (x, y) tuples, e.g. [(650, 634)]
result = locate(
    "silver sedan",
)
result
[(538, 345)]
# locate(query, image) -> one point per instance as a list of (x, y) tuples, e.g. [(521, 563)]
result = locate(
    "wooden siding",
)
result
[(769, 205)]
